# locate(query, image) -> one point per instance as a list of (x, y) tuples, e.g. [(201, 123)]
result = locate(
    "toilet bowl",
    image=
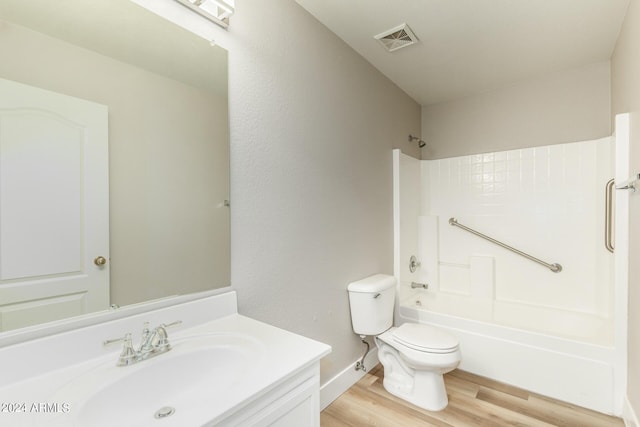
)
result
[(415, 357)]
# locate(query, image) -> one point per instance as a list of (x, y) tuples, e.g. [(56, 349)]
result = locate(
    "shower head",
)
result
[(421, 143)]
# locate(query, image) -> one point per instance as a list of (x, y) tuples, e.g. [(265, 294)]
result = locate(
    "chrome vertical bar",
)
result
[(608, 215)]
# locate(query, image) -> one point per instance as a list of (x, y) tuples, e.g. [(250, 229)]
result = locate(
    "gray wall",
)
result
[(567, 106), (625, 91), (312, 129)]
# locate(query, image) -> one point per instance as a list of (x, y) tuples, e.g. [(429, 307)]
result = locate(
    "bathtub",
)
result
[(565, 355)]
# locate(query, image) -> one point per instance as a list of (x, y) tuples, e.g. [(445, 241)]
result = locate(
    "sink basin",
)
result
[(167, 390)]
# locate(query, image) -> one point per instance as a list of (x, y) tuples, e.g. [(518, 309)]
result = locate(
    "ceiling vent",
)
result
[(397, 38)]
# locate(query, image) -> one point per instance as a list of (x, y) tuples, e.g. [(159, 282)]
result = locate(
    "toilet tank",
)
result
[(371, 301)]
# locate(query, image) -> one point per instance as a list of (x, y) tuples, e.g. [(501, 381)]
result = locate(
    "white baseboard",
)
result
[(629, 415), (337, 385)]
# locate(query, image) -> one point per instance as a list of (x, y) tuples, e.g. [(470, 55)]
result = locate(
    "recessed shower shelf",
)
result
[(629, 184)]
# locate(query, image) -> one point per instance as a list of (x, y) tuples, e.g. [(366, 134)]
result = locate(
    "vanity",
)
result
[(223, 369)]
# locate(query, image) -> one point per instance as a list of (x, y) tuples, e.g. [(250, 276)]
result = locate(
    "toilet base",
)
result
[(424, 389), (414, 376)]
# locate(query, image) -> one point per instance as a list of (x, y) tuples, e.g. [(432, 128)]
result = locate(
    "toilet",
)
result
[(414, 356)]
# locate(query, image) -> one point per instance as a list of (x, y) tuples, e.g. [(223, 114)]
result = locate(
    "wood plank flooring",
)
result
[(473, 401)]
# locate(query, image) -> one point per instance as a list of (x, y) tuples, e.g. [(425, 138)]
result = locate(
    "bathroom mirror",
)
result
[(163, 92)]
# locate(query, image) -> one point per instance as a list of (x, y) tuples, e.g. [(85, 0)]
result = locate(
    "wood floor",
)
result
[(473, 401)]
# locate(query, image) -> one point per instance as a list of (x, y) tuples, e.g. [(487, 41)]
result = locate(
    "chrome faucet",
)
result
[(152, 343)]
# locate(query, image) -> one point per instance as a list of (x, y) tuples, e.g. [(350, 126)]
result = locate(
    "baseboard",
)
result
[(337, 385), (629, 415)]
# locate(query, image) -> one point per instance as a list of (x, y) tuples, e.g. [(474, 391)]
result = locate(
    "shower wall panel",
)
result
[(547, 201)]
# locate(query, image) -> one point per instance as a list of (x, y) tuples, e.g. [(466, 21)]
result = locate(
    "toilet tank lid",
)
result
[(375, 283)]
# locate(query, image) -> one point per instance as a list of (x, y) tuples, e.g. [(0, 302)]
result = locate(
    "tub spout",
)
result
[(415, 285)]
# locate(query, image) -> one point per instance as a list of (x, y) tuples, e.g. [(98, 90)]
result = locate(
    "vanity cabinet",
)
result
[(294, 403)]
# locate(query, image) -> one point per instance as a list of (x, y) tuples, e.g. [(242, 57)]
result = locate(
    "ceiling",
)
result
[(468, 47)]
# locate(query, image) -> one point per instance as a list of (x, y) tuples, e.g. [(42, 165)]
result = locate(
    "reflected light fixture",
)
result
[(216, 11)]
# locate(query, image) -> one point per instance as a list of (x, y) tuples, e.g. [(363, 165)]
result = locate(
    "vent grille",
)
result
[(397, 38)]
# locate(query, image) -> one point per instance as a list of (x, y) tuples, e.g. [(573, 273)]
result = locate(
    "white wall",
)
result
[(567, 106), (312, 129), (625, 83)]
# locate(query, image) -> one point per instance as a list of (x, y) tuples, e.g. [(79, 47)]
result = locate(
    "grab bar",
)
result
[(608, 215), (556, 268)]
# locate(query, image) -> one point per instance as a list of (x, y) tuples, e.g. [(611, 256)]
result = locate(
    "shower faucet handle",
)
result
[(413, 264)]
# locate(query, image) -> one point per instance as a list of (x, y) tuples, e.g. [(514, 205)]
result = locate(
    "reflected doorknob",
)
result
[(100, 261)]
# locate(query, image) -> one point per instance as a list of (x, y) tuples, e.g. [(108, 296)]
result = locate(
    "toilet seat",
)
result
[(425, 338)]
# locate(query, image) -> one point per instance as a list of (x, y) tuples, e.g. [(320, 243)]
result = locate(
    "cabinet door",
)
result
[(293, 404), (54, 195), (303, 411)]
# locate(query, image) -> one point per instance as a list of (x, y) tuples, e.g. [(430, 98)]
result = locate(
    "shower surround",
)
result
[(519, 322)]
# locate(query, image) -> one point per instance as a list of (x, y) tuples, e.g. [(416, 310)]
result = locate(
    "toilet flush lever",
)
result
[(413, 264)]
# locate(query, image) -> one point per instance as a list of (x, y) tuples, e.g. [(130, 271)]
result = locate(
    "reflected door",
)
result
[(54, 223)]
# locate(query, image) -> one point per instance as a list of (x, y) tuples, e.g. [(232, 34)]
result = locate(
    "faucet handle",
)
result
[(163, 338), (128, 354), (126, 338), (168, 325)]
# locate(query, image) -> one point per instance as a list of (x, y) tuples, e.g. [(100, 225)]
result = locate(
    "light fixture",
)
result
[(216, 11)]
